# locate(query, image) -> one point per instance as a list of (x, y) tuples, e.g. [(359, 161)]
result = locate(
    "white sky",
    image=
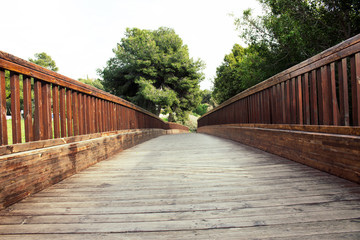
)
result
[(80, 34)]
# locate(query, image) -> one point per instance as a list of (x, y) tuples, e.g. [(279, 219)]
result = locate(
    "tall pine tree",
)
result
[(153, 70)]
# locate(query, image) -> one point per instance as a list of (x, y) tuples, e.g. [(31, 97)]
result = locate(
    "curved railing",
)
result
[(56, 106)]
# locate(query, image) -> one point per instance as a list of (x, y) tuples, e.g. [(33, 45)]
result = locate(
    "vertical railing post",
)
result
[(3, 121), (27, 109)]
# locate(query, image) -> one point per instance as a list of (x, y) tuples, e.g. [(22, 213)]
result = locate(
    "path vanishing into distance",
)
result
[(190, 186)]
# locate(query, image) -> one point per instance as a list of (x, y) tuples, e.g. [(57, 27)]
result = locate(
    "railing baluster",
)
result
[(293, 101), (300, 101), (343, 92), (306, 99), (314, 98), (3, 121), (82, 115), (105, 117), (75, 112), (62, 112), (355, 88), (86, 115), (101, 113), (15, 107), (28, 109), (91, 115), (38, 114), (334, 103), (283, 103), (46, 103), (56, 110)]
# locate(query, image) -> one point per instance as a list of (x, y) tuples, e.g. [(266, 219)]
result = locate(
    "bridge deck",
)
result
[(190, 186)]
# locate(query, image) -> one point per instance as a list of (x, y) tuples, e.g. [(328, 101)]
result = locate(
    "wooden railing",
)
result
[(323, 90), (56, 106)]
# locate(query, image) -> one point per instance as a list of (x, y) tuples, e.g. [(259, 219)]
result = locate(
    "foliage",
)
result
[(44, 60), (153, 70), (201, 109), (294, 30), (240, 70), (288, 32), (92, 82)]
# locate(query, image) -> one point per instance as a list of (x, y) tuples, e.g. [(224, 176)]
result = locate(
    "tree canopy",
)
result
[(288, 32), (44, 60), (152, 69), (92, 82)]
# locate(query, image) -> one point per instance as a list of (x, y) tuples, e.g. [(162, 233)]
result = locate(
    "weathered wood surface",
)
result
[(334, 153), (190, 186)]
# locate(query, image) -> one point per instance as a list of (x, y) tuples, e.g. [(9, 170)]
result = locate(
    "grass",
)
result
[(9, 131)]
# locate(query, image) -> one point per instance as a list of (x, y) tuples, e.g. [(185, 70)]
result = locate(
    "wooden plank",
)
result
[(97, 115), (306, 99), (63, 112), (75, 112), (91, 114), (3, 121), (101, 113), (293, 112), (38, 113), (226, 190), (288, 102), (335, 108), (313, 99), (355, 88), (86, 114), (283, 102), (81, 114), (112, 116), (104, 115), (299, 100), (15, 107), (28, 109), (320, 99), (56, 110), (279, 103), (69, 117), (46, 103), (93, 122), (343, 92)]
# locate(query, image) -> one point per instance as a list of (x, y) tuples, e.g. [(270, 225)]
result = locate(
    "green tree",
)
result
[(92, 82), (294, 30), (153, 70), (240, 70), (288, 32), (44, 60)]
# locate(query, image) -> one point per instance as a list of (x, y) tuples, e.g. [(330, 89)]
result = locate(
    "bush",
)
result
[(201, 109)]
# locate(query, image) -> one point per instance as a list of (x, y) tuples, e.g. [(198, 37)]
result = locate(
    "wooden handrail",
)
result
[(57, 106), (313, 92)]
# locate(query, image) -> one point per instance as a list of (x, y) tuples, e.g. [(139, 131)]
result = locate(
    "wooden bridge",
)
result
[(85, 164), (190, 186)]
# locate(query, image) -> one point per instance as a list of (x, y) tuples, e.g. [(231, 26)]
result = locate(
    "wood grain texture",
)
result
[(28, 110), (333, 153), (339, 51), (3, 121), (216, 189), (15, 107), (27, 171), (18, 65)]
